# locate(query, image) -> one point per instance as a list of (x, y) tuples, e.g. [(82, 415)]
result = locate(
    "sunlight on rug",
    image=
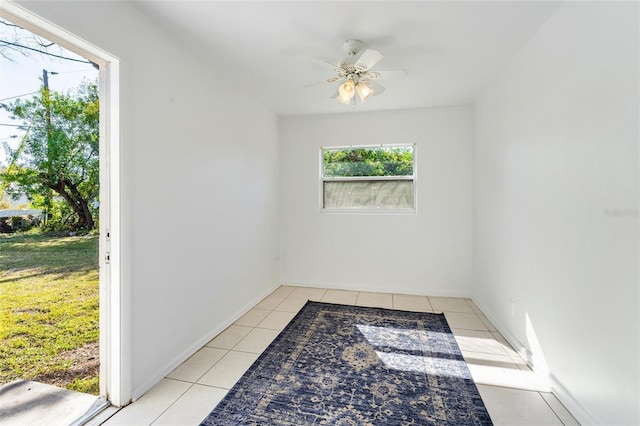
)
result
[(349, 365)]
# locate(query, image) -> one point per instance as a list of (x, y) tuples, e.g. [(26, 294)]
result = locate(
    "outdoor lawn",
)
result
[(49, 299)]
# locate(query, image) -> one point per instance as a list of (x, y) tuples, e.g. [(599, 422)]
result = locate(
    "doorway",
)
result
[(111, 359)]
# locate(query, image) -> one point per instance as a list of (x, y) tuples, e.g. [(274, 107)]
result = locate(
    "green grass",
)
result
[(49, 298)]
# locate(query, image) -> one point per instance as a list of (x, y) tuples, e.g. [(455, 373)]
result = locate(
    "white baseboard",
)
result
[(356, 287), (184, 355), (576, 409)]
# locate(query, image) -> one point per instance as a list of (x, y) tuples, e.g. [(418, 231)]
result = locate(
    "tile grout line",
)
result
[(214, 364), (173, 403), (510, 388), (213, 387), (551, 408), (430, 304)]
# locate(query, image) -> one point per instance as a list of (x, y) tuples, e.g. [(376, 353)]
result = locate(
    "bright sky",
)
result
[(23, 75)]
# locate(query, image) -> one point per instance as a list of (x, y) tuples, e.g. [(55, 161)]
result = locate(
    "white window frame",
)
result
[(413, 178)]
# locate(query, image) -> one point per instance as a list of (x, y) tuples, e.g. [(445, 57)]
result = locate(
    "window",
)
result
[(368, 178)]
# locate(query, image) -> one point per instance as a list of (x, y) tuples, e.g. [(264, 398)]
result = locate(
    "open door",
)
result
[(112, 386)]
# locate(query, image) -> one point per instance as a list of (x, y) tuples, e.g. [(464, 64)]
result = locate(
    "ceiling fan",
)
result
[(354, 73)]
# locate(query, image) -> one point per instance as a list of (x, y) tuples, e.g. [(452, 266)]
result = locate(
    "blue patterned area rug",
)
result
[(349, 365)]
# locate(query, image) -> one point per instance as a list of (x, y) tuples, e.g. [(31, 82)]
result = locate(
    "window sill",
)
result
[(370, 211)]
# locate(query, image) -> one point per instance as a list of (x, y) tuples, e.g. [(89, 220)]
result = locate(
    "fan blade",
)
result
[(377, 89), (317, 83), (380, 75), (325, 64), (368, 59)]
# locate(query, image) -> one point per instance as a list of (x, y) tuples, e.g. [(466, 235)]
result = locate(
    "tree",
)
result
[(16, 40), (4, 203), (58, 152), (379, 161)]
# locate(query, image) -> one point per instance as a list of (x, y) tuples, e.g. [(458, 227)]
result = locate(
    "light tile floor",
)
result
[(509, 389)]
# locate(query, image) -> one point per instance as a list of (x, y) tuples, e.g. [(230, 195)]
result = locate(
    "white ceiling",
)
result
[(449, 49)]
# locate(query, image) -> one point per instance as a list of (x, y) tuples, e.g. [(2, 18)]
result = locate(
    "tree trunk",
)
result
[(69, 192), (79, 205)]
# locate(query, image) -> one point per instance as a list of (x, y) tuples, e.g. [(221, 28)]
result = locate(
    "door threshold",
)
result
[(96, 408), (32, 403)]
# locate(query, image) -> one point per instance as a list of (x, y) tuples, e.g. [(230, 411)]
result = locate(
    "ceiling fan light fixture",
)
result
[(347, 100), (364, 91), (347, 89), (346, 92)]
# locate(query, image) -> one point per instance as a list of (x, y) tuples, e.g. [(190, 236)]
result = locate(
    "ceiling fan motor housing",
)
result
[(352, 47)]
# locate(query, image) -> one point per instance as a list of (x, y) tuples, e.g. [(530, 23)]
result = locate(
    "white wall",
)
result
[(425, 253), (199, 187), (555, 159), (555, 151)]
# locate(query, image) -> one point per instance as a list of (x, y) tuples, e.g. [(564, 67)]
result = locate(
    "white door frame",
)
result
[(114, 364)]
